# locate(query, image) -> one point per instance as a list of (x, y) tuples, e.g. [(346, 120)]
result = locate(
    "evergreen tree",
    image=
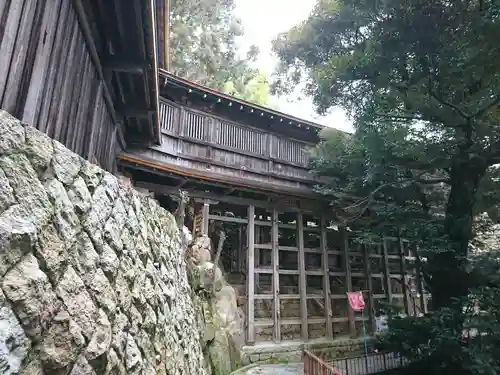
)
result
[(421, 81), (203, 47)]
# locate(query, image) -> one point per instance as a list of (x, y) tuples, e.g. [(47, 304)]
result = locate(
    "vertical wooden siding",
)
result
[(48, 80)]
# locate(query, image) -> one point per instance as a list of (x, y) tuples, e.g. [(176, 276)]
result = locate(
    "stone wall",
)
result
[(92, 273), (221, 322)]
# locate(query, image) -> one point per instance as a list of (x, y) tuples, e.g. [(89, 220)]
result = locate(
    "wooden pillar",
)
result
[(387, 275), (404, 276), (369, 286), (95, 125), (204, 221), (251, 276), (326, 279), (302, 278), (257, 254), (420, 283), (276, 278), (348, 279)]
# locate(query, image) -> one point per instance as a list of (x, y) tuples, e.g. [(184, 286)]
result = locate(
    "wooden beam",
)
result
[(137, 5), (219, 197), (149, 164), (302, 277), (124, 65), (326, 279), (155, 67), (420, 282), (276, 278), (95, 124), (369, 287), (167, 35), (251, 276), (228, 219), (387, 275), (347, 266), (205, 215), (404, 276), (257, 246), (137, 112), (87, 33)]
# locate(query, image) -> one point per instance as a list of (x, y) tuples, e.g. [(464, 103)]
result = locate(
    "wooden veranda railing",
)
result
[(314, 365), (360, 365)]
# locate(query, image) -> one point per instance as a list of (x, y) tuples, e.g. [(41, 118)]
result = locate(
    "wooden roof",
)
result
[(278, 121), (123, 37)]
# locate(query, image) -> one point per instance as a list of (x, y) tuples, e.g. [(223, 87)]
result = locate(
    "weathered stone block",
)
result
[(32, 297), (51, 252), (17, 237), (77, 300), (133, 358), (102, 291), (65, 218), (14, 345), (101, 338), (83, 257), (122, 292), (66, 164), (6, 193), (82, 367), (28, 190), (80, 196), (39, 149), (109, 261), (62, 343), (12, 134)]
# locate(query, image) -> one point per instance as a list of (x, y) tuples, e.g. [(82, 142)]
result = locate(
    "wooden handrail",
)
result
[(314, 365), (352, 365)]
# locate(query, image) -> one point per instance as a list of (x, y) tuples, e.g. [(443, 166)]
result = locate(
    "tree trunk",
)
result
[(448, 267)]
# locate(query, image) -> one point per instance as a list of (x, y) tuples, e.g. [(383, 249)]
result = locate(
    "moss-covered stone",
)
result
[(219, 321)]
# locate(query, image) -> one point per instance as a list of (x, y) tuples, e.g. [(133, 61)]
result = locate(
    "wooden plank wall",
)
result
[(47, 78), (202, 128)]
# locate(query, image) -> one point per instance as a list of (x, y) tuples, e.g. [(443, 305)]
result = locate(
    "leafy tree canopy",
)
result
[(421, 81), (204, 49), (252, 86)]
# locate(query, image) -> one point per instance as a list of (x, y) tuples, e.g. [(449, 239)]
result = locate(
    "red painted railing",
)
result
[(361, 365), (314, 365)]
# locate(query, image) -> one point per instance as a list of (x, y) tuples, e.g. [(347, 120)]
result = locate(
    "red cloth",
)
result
[(356, 300)]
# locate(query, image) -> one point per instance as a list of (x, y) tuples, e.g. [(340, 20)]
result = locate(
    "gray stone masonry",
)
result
[(92, 273)]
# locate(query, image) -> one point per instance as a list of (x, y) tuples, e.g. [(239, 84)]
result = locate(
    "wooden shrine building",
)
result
[(246, 169), (90, 74)]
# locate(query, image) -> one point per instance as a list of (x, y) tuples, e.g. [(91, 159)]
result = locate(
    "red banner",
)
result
[(356, 300)]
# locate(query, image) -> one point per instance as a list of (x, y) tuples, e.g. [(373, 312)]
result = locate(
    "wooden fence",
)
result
[(355, 365), (314, 365)]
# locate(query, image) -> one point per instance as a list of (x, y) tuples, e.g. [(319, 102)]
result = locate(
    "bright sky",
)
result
[(262, 21)]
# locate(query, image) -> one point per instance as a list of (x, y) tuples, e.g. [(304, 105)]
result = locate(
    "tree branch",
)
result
[(397, 117), (451, 105), (369, 199), (486, 108)]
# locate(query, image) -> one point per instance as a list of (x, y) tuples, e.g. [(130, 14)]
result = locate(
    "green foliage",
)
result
[(425, 105), (420, 80), (434, 340), (252, 86), (203, 47)]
